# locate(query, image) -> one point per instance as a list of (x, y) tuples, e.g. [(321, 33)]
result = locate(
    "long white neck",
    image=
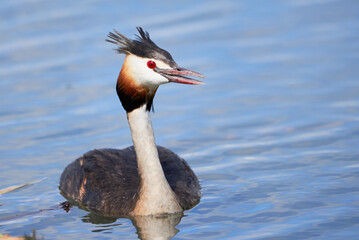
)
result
[(156, 196)]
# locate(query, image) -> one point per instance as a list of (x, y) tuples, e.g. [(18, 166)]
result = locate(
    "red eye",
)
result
[(151, 64)]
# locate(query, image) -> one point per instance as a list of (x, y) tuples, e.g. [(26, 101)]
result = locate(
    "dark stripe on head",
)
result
[(143, 46)]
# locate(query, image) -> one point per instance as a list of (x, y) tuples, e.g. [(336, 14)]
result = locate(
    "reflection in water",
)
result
[(148, 227), (157, 227)]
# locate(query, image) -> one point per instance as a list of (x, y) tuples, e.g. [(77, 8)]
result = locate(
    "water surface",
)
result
[(273, 135)]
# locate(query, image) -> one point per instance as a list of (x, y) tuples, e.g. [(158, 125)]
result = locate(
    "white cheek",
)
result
[(143, 74), (148, 76)]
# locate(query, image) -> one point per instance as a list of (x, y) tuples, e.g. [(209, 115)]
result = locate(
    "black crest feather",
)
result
[(143, 46)]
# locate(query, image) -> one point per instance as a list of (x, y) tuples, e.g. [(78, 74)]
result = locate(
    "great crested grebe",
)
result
[(143, 179)]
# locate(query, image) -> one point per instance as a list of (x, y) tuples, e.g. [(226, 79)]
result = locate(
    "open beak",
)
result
[(177, 75)]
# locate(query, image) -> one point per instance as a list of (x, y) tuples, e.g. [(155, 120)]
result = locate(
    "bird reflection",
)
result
[(147, 227), (157, 227)]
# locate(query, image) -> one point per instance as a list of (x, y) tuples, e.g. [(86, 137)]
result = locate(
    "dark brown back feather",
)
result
[(112, 181)]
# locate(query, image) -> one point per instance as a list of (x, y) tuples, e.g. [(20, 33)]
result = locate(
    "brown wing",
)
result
[(107, 180)]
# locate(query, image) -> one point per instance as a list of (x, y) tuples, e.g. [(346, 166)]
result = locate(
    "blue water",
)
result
[(273, 135)]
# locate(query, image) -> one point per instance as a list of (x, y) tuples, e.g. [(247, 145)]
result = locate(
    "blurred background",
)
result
[(273, 135)]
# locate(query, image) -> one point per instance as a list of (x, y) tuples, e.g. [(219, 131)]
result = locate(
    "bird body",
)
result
[(144, 179), (107, 181)]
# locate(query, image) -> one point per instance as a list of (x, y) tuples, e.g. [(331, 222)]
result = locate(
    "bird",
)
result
[(143, 179)]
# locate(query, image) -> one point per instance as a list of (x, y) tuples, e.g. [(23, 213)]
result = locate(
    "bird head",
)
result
[(145, 68)]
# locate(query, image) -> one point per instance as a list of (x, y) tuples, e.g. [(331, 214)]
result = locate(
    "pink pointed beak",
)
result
[(178, 75)]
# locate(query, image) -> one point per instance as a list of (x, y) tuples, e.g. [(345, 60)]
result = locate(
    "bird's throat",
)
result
[(156, 196)]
